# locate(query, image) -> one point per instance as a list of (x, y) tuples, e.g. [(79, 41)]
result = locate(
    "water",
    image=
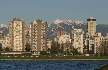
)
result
[(50, 65)]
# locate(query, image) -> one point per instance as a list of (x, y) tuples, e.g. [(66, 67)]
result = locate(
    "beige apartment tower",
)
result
[(38, 36), (17, 34), (78, 39), (91, 26)]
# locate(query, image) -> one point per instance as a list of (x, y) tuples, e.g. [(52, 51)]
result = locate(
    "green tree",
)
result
[(75, 51), (27, 47), (7, 49), (54, 48), (48, 50), (43, 52), (0, 47)]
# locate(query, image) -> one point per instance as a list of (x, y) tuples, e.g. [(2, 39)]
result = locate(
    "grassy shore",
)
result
[(29, 56), (42, 57)]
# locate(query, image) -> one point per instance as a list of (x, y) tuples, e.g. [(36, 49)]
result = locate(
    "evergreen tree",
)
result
[(27, 47), (0, 47)]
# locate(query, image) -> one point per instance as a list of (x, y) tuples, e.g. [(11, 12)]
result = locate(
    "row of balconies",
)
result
[(35, 37), (42, 43), (42, 33), (35, 27)]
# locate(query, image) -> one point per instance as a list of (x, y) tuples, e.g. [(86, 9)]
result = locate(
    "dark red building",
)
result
[(61, 32)]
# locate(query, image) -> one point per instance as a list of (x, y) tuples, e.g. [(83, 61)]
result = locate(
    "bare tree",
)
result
[(100, 50)]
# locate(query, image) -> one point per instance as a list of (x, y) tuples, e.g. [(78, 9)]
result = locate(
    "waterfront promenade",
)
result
[(68, 58), (29, 56)]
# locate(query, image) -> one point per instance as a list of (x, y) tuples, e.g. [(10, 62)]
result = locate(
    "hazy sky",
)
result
[(50, 10)]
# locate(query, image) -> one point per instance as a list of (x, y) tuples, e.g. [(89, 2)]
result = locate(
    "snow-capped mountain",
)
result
[(68, 25), (58, 21), (62, 21), (3, 25), (79, 22), (4, 28)]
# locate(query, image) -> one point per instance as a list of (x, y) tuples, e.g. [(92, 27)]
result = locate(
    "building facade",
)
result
[(91, 26), (98, 43), (17, 34), (91, 32), (89, 43), (64, 43), (1, 35), (106, 43), (5, 42), (38, 36), (61, 32), (78, 39), (49, 42)]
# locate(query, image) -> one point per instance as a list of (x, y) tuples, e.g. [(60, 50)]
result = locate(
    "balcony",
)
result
[(43, 28)]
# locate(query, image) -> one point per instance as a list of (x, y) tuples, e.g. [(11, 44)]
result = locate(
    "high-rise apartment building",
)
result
[(78, 39), (38, 36), (17, 34), (91, 26)]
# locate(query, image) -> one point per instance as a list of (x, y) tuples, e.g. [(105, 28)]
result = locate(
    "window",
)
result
[(91, 23)]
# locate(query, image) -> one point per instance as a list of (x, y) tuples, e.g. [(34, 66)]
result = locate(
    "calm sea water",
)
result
[(50, 65)]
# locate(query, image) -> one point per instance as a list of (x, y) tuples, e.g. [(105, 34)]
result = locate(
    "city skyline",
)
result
[(49, 11), (53, 34)]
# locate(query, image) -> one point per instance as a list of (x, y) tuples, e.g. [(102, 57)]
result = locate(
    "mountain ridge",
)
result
[(67, 21), (65, 24)]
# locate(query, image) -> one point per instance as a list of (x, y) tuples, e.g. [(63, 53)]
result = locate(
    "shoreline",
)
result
[(58, 59)]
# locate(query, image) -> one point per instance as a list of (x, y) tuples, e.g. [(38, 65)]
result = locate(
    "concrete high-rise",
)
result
[(78, 39), (38, 36), (17, 34), (91, 26)]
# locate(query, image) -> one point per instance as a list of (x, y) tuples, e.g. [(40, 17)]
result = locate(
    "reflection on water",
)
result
[(50, 65)]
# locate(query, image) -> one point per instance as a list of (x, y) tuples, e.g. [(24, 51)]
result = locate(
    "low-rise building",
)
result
[(61, 32), (106, 43), (49, 42), (94, 43), (64, 43), (1, 35), (98, 43), (5, 42)]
